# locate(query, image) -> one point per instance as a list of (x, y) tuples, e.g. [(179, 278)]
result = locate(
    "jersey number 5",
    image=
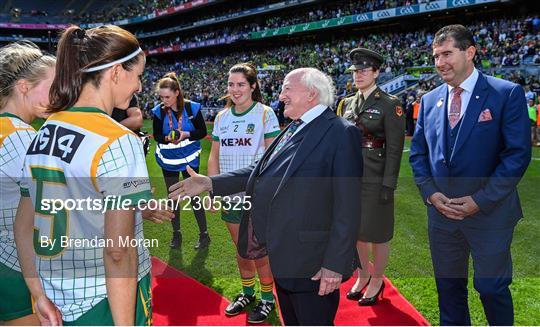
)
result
[(49, 245)]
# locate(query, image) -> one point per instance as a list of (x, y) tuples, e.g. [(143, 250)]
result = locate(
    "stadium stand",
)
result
[(497, 53), (201, 44), (201, 39)]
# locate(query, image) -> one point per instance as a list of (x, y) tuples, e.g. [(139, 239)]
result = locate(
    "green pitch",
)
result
[(410, 263)]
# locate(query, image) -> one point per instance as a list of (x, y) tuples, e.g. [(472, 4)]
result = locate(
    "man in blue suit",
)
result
[(304, 193), (470, 149)]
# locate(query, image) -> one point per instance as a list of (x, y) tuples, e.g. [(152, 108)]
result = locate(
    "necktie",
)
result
[(360, 103), (287, 136), (455, 107)]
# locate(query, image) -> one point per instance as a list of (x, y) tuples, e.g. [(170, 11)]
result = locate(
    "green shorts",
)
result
[(101, 315), (231, 216), (15, 299)]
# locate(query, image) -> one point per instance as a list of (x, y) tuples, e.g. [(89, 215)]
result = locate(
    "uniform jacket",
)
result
[(381, 117)]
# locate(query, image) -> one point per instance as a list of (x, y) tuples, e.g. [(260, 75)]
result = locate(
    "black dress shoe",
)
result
[(176, 240), (352, 295), (366, 301), (357, 295)]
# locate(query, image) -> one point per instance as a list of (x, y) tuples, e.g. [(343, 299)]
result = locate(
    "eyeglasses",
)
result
[(364, 71)]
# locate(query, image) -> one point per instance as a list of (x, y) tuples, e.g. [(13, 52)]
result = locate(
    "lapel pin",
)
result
[(439, 104), (477, 97)]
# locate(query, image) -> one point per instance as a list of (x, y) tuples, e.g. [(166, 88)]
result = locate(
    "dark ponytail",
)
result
[(79, 49), (250, 73), (67, 85)]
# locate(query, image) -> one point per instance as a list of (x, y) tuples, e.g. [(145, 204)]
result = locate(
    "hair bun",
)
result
[(171, 75), (251, 65), (78, 35)]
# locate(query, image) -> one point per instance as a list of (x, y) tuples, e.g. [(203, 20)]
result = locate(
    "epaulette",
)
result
[(350, 95)]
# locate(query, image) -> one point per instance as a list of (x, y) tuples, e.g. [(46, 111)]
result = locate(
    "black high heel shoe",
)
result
[(366, 301), (352, 295)]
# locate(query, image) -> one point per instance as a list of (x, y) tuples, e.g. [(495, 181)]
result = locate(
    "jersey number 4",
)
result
[(56, 141)]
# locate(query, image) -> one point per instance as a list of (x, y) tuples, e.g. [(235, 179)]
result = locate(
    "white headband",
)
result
[(119, 61)]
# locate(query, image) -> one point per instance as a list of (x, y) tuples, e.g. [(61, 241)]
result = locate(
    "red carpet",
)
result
[(181, 300)]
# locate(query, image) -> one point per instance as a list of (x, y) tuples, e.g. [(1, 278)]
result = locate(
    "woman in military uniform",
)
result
[(380, 118)]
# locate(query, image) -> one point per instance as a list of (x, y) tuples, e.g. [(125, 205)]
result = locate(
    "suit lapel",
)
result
[(440, 114), (265, 160), (295, 139), (310, 140), (476, 103)]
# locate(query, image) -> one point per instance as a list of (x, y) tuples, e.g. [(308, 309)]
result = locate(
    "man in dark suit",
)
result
[(469, 151), (304, 195)]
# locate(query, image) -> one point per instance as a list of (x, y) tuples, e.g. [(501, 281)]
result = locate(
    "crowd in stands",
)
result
[(333, 10), (518, 40), (310, 14), (508, 42), (323, 11), (297, 16), (204, 78), (109, 14), (401, 49), (144, 7), (167, 41), (117, 10)]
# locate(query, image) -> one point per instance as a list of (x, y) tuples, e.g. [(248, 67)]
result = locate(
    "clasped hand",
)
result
[(457, 208), (183, 136)]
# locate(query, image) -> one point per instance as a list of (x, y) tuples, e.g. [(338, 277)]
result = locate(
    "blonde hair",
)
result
[(21, 60)]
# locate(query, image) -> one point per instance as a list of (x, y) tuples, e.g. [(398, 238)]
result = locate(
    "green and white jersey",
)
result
[(241, 136), (81, 154), (15, 137)]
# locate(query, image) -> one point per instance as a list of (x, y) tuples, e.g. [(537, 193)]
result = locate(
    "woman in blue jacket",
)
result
[(175, 152)]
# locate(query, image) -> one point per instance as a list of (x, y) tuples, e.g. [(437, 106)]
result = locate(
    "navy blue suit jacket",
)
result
[(305, 201), (489, 157)]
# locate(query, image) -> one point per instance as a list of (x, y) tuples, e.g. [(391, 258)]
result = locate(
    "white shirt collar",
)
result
[(312, 113), (468, 84)]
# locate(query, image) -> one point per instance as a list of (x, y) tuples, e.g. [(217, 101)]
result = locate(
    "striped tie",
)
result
[(290, 131)]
